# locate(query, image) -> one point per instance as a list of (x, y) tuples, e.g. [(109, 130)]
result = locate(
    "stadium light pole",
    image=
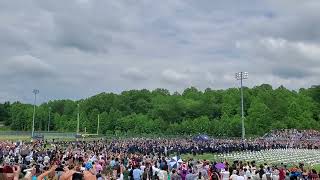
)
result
[(78, 119), (35, 92), (98, 124), (49, 119), (241, 76)]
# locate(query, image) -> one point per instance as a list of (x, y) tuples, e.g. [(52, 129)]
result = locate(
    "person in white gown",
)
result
[(225, 175)]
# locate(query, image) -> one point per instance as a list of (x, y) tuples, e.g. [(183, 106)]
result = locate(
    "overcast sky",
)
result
[(77, 48)]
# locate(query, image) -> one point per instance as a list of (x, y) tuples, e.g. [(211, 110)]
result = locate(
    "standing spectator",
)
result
[(190, 175), (239, 177), (282, 174), (136, 173), (225, 175), (275, 174), (175, 175), (313, 175), (234, 175)]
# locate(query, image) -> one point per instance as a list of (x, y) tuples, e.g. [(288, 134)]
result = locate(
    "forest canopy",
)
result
[(214, 112)]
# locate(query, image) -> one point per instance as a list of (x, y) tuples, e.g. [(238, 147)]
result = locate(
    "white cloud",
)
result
[(172, 76)]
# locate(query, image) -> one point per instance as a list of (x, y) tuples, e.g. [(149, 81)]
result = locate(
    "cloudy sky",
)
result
[(77, 48)]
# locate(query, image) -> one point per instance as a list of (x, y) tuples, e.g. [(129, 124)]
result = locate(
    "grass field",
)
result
[(206, 156), (317, 167), (14, 138), (27, 138)]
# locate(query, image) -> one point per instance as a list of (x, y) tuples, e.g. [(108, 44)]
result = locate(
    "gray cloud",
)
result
[(288, 73), (134, 74), (27, 66), (74, 49), (283, 58)]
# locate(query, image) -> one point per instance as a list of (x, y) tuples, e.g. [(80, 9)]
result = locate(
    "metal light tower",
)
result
[(241, 76), (35, 92), (49, 119), (78, 119), (98, 127)]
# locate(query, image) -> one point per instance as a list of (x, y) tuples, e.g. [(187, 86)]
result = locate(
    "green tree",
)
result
[(259, 118), (216, 112)]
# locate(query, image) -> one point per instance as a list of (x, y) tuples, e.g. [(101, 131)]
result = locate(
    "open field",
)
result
[(205, 156), (316, 167), (14, 138), (28, 138)]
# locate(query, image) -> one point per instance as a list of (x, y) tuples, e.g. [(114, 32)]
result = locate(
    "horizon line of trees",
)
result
[(214, 112)]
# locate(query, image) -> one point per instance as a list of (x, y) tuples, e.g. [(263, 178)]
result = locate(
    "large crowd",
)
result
[(148, 159), (293, 134)]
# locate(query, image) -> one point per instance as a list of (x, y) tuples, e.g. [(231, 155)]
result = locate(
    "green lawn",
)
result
[(206, 156), (15, 138), (27, 138), (317, 167), (4, 128)]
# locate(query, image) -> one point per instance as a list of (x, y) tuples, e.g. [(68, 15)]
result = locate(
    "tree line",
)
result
[(214, 112)]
